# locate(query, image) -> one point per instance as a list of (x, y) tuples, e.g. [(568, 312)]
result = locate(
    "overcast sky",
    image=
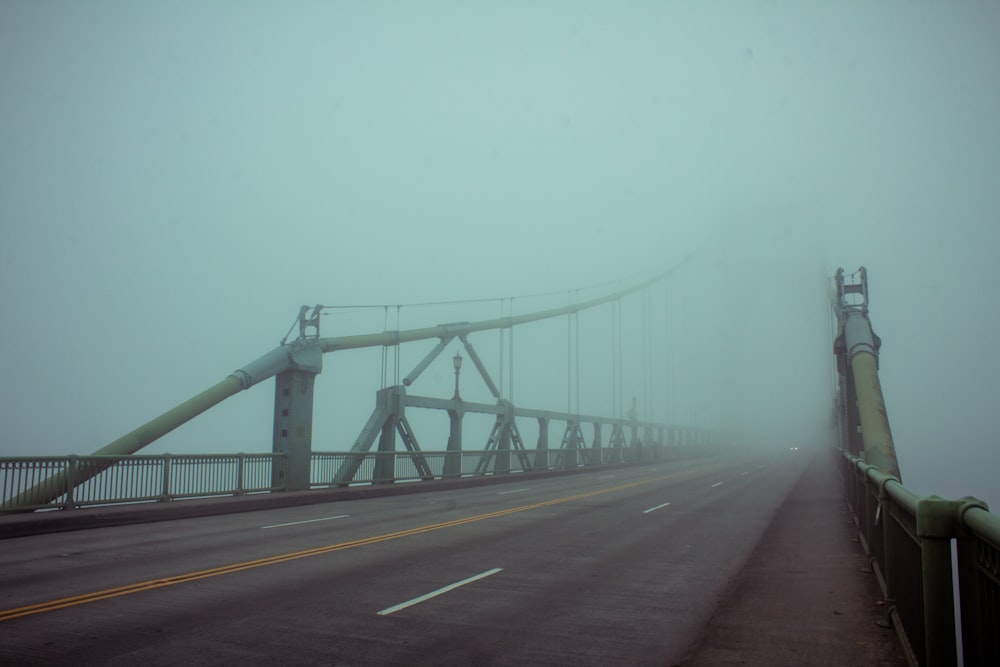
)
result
[(177, 178)]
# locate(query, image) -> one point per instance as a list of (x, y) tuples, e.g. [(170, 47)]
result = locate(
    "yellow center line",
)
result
[(119, 591)]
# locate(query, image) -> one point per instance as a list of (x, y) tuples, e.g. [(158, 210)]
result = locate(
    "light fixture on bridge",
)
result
[(457, 361)]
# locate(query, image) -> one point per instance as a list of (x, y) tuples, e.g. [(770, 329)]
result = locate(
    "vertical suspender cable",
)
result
[(666, 350), (649, 364), (676, 324), (385, 350), (398, 329), (500, 362), (692, 413), (645, 352), (621, 367), (576, 320), (510, 354), (569, 357), (614, 368)]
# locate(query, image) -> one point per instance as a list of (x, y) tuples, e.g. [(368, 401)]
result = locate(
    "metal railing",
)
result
[(137, 478), (911, 542)]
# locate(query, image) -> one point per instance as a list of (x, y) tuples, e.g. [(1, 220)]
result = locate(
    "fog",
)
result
[(176, 179)]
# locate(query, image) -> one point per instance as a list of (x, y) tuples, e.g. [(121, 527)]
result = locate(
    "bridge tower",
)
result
[(862, 415)]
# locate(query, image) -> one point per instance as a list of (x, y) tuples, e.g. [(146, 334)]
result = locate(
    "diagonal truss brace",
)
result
[(573, 447), (385, 422), (504, 438), (617, 443)]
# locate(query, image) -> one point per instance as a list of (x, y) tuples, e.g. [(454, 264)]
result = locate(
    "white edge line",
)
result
[(717, 484), (653, 509), (514, 491), (433, 594), (295, 523)]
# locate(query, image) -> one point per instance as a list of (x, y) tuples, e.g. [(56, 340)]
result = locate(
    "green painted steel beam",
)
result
[(857, 349), (875, 433), (132, 442), (54, 487), (861, 346)]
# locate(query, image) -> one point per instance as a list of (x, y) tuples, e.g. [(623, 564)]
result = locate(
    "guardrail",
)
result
[(137, 478), (923, 552), (164, 477)]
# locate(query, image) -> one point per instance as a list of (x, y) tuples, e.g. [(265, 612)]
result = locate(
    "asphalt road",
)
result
[(618, 566)]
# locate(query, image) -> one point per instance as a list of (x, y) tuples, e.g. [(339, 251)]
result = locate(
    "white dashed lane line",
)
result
[(296, 523), (653, 509), (433, 594)]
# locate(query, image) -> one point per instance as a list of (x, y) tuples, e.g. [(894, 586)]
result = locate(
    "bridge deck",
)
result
[(802, 598)]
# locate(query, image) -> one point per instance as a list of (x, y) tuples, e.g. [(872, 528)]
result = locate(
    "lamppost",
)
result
[(457, 360), (453, 459)]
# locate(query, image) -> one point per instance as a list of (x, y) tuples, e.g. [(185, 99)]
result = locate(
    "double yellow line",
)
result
[(109, 593)]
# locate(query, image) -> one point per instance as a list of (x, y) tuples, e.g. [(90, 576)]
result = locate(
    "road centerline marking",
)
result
[(138, 587), (296, 523), (433, 594), (653, 509)]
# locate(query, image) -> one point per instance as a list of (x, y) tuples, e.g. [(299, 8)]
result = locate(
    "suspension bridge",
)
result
[(630, 536)]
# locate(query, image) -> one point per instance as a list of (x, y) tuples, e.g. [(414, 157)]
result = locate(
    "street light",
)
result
[(457, 360)]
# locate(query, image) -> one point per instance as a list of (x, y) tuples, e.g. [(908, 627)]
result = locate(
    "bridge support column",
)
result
[(596, 454), (453, 458), (293, 408), (572, 444), (293, 412), (635, 445), (390, 399), (542, 448), (617, 444), (502, 464)]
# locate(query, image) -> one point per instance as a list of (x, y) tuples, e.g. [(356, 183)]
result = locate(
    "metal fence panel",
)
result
[(110, 480)]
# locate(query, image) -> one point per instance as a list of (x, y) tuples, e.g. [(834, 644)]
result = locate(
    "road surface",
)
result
[(617, 566)]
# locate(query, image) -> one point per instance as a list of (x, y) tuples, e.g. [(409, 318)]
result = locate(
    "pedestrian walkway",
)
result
[(804, 597)]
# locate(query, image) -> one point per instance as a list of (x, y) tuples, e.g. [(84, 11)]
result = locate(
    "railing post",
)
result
[(240, 462), (892, 551), (71, 474), (936, 528), (165, 493), (969, 595), (868, 512)]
